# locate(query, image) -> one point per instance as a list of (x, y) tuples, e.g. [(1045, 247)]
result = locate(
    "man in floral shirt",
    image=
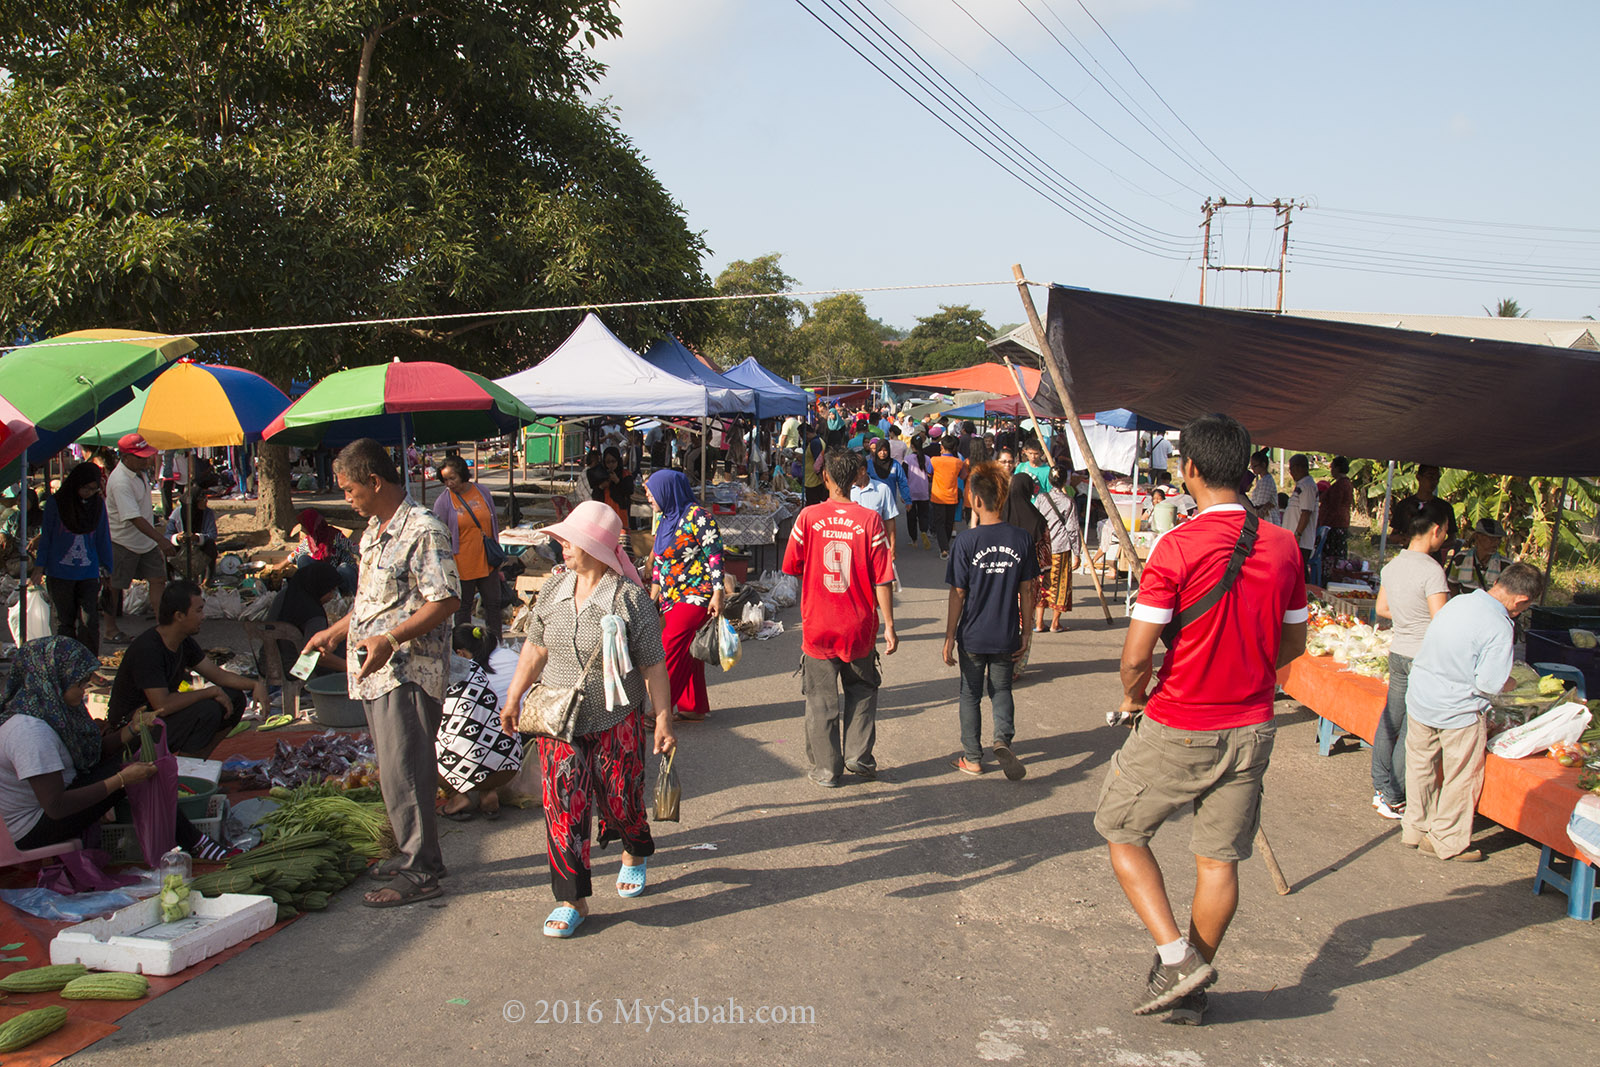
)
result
[(398, 633)]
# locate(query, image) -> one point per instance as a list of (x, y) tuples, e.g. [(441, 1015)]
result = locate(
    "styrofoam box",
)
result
[(135, 938)]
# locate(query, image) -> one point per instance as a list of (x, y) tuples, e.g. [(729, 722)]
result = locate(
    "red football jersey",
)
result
[(841, 555)]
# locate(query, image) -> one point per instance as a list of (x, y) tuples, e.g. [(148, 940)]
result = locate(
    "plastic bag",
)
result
[(704, 646), (136, 600), (753, 615), (47, 904), (668, 791), (1564, 722), (727, 643), (786, 591), (155, 801), (41, 619)]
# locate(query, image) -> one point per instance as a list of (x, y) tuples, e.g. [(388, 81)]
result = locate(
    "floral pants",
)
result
[(599, 772)]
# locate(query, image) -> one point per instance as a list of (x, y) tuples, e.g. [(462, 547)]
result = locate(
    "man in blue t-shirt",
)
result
[(990, 564)]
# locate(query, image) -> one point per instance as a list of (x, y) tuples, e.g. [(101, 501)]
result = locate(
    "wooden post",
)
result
[(1047, 358), (1050, 461)]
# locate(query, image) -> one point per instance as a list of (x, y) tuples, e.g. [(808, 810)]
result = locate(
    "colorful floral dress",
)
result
[(690, 570)]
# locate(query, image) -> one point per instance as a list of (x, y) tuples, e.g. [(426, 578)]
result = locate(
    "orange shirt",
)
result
[(946, 472), (471, 563)]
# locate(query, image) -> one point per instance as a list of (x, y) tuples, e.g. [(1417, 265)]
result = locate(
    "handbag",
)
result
[(493, 554), (552, 711)]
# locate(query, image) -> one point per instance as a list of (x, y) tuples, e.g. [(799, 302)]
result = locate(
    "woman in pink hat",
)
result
[(596, 600)]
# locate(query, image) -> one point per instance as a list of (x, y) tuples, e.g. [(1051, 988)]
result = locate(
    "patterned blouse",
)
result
[(690, 569), (402, 568), (571, 636)]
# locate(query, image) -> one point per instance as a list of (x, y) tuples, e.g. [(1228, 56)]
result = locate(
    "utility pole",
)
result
[(1282, 209)]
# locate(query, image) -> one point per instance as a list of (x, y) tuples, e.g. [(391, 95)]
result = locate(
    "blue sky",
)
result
[(777, 138)]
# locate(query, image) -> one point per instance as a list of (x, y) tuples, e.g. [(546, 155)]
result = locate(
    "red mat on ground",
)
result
[(90, 1020), (1533, 796)]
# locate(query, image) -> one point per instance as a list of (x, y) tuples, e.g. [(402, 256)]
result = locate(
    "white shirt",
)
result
[(1160, 454), (1301, 502), (28, 748), (128, 498)]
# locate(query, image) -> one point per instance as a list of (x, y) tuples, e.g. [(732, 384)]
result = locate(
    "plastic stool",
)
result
[(1565, 673), (1578, 885)]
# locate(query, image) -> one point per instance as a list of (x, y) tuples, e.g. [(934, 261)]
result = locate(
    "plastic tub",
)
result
[(194, 803), (331, 703)]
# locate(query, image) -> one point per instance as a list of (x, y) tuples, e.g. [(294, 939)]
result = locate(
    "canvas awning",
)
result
[(1349, 388), (986, 377)]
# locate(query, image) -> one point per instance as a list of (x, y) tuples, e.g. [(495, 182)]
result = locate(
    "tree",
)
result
[(955, 337), (1507, 308), (195, 167), (840, 340), (760, 328)]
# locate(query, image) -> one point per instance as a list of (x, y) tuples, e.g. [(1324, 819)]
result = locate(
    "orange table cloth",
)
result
[(1533, 796)]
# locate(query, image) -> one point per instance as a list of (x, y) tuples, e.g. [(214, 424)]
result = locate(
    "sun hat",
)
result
[(595, 528), (133, 444), (1489, 528)]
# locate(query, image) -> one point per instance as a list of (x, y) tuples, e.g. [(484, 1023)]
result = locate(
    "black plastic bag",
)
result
[(668, 791), (706, 646)]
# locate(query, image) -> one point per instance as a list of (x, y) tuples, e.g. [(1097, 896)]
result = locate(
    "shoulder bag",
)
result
[(552, 711), (493, 554), (1241, 551)]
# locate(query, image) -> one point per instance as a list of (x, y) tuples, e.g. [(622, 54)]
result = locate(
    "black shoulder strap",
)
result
[(1241, 551)]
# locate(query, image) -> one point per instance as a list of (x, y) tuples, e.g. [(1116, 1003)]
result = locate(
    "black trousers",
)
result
[(77, 609), (195, 730), (917, 519), (48, 831)]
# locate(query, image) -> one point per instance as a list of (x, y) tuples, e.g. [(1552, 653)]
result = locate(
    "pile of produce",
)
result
[(174, 899), (1534, 694), (1364, 650), (300, 871), (356, 817), (328, 755)]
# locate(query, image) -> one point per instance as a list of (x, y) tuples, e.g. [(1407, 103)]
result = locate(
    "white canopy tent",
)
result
[(594, 373)]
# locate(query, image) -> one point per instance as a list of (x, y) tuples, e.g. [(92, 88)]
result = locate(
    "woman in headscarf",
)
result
[(58, 773), (303, 604), (1021, 513), (611, 483), (74, 547), (686, 581), (322, 543), (595, 611)]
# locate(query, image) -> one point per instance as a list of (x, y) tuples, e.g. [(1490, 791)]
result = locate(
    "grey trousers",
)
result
[(827, 716), (404, 723)]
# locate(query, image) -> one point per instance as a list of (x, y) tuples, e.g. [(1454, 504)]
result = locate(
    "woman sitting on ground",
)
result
[(303, 604), (322, 543), (59, 774), (477, 755), (194, 513)]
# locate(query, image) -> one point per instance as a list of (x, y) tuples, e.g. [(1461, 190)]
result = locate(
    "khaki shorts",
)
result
[(131, 565), (1161, 769)]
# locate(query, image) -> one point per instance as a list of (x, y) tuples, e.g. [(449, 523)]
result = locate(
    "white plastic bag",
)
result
[(1564, 722), (728, 645), (41, 619), (136, 600), (786, 591), (753, 615)]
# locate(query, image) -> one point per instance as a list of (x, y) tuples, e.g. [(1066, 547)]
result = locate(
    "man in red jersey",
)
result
[(841, 555), (1206, 731)]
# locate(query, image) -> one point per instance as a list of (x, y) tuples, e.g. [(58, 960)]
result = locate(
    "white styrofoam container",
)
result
[(135, 939)]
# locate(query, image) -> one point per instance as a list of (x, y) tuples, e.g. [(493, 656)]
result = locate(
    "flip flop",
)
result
[(565, 913), (1009, 763), (687, 716), (634, 875), (961, 764), (118, 638), (240, 728), (406, 891), (277, 722)]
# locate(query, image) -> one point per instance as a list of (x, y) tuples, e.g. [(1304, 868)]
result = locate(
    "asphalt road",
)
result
[(926, 918)]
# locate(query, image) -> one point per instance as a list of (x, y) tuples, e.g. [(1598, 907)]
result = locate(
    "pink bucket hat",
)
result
[(596, 529)]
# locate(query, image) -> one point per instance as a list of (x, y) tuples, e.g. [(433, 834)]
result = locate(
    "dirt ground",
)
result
[(925, 918)]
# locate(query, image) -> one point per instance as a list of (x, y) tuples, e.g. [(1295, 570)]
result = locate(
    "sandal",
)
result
[(564, 913), (966, 766), (1013, 768), (688, 716), (118, 638), (277, 722), (406, 892), (632, 874), (466, 814)]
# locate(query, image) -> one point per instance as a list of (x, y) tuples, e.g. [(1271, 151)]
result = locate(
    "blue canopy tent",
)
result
[(670, 355), (774, 396), (1123, 419)]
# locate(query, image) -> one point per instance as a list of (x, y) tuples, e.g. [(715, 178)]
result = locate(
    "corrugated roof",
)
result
[(1562, 333)]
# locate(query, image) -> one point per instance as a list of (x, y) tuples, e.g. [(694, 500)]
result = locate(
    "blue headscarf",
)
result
[(674, 496), (40, 675)]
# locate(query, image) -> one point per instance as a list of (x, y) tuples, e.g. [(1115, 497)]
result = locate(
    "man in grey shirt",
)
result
[(1413, 590), (1465, 656)]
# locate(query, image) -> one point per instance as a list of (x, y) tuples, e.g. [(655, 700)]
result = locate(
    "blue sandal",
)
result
[(564, 913), (633, 875)]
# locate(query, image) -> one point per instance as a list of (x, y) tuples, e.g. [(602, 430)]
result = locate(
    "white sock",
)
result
[(1173, 952)]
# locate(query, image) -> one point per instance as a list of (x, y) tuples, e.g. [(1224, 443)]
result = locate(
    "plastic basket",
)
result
[(121, 842), (1363, 610)]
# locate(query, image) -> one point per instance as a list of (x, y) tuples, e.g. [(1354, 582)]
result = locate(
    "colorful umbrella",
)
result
[(67, 384), (196, 405), (16, 432), (428, 403)]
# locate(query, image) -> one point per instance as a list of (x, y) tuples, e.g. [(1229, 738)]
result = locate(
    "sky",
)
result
[(1425, 138)]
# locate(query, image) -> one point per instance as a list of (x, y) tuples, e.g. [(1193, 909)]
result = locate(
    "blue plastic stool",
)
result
[(1565, 673), (1578, 884), (1329, 734)]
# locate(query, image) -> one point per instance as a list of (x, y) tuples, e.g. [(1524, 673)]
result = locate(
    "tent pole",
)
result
[(1050, 461), (1388, 502), (188, 514), (22, 546), (1555, 539), (705, 446), (1053, 362)]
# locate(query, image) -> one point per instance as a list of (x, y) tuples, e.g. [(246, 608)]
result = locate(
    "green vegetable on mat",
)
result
[(30, 1026), (111, 985), (42, 979), (285, 912)]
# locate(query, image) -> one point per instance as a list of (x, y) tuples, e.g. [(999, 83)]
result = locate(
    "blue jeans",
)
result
[(977, 669), (1389, 738)]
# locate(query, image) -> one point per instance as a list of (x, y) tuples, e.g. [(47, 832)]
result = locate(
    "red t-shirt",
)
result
[(841, 555), (1222, 673)]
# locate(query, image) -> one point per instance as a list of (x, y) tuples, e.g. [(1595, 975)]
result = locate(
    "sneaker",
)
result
[(869, 773), (826, 783), (1191, 1009), (944, 555), (1169, 983), (1386, 809)]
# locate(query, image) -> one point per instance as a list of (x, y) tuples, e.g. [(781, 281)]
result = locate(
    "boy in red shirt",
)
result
[(1206, 732), (841, 555)]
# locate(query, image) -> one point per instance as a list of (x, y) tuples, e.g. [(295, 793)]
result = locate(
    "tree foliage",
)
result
[(840, 340), (954, 337), (1507, 308), (193, 166), (761, 328)]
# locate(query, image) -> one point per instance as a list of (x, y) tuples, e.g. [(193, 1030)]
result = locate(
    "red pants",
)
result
[(601, 772), (686, 674)]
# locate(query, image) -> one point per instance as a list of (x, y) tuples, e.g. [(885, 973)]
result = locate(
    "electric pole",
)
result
[(1282, 209)]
